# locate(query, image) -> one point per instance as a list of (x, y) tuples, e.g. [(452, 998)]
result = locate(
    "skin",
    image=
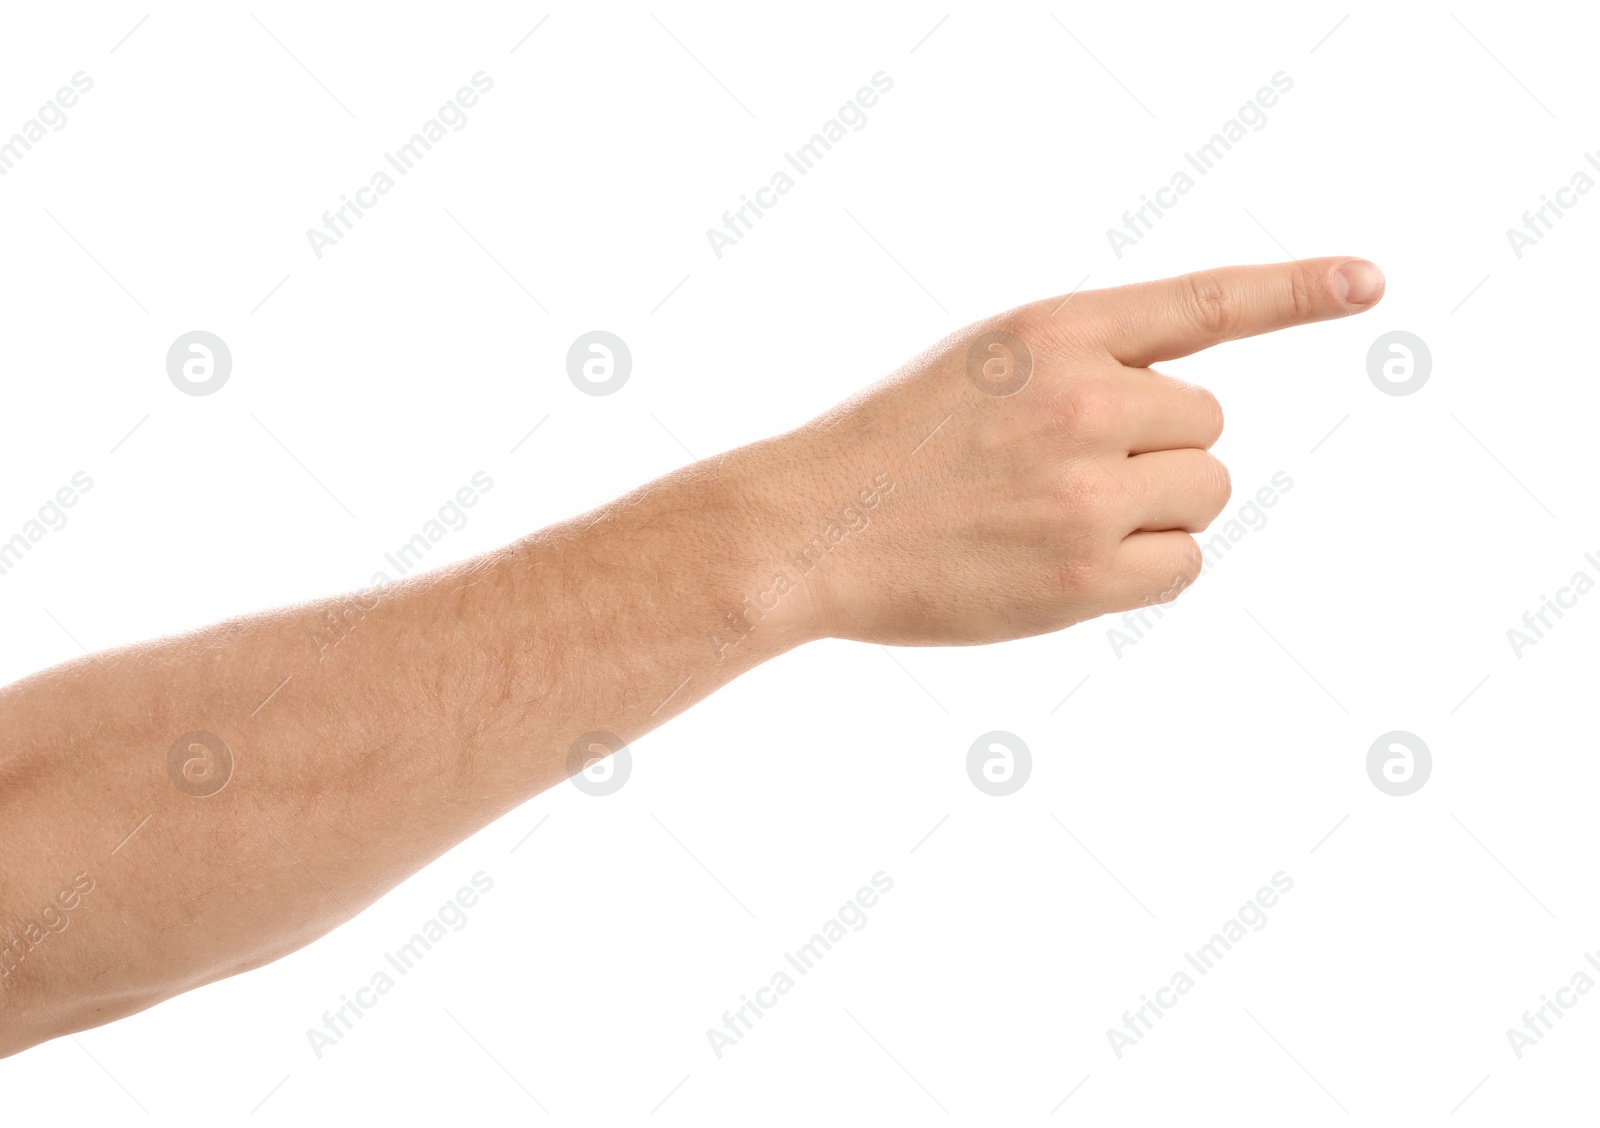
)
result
[(464, 692)]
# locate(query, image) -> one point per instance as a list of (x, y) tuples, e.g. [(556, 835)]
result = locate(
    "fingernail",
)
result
[(1358, 282)]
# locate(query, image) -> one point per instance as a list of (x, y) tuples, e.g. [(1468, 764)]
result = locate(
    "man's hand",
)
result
[(1028, 473), (1043, 473)]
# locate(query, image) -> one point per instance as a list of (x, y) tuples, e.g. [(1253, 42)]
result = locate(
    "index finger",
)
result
[(1155, 321)]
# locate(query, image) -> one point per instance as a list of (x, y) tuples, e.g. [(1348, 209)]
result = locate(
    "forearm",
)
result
[(1027, 473), (445, 702)]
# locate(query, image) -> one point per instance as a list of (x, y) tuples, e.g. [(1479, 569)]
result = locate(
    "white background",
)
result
[(369, 385)]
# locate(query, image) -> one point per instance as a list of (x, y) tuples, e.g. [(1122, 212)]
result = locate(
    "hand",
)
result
[(1039, 472), (929, 510)]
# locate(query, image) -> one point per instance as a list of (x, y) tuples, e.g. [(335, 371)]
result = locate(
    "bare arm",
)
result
[(1027, 473)]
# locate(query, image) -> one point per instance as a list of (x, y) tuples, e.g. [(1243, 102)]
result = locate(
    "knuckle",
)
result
[(1086, 490), (1209, 305), (1210, 410), (1189, 563), (1055, 327), (1302, 297), (1085, 407), (1071, 573), (1032, 325), (1027, 321), (1186, 566), (1219, 483)]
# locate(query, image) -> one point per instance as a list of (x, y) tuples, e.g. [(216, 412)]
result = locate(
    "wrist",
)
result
[(809, 511), (774, 598)]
